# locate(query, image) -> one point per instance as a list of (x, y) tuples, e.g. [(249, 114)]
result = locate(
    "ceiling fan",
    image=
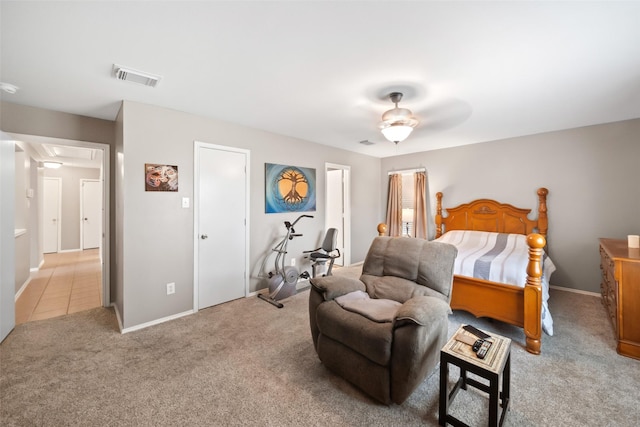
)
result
[(436, 113), (397, 123)]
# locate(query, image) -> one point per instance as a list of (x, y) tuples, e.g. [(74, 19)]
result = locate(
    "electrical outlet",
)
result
[(171, 288), (293, 262)]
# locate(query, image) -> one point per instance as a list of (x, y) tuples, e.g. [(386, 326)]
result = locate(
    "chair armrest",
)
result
[(332, 287), (421, 310)]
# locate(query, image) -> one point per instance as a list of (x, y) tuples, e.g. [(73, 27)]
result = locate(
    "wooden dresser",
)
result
[(621, 293)]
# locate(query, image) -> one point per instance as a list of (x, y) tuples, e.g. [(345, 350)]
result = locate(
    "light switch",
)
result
[(185, 202)]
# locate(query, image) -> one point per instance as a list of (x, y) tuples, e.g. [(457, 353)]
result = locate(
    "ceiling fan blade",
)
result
[(444, 115)]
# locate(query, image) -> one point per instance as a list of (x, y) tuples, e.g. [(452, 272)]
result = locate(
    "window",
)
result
[(406, 203)]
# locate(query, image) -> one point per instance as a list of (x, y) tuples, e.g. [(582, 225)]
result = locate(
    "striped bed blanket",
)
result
[(501, 258)]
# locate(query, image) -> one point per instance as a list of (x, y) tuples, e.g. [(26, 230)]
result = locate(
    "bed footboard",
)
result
[(511, 304), (533, 293)]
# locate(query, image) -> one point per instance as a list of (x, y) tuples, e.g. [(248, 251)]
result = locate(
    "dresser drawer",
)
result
[(620, 289)]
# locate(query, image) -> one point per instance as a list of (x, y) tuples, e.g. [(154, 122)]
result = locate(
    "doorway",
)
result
[(221, 224), (337, 208), (52, 194), (67, 262), (91, 213)]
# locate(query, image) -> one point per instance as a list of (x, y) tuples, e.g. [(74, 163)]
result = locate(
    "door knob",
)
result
[(204, 236)]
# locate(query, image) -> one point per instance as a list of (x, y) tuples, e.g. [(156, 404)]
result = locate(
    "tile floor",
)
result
[(66, 283)]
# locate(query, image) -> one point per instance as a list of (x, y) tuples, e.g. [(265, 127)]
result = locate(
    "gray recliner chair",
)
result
[(383, 333)]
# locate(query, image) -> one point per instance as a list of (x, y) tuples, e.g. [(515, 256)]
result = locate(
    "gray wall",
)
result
[(70, 195), (22, 242), (592, 174), (157, 135), (7, 234)]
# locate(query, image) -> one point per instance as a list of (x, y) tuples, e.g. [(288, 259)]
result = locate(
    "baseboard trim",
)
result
[(303, 284), (153, 322), (22, 288), (36, 269), (575, 291)]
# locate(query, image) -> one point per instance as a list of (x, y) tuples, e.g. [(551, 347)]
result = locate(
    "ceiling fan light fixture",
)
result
[(397, 123), (397, 132)]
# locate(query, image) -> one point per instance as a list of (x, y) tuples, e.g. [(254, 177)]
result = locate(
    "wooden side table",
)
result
[(496, 363)]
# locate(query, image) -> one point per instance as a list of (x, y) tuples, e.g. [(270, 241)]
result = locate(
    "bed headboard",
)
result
[(489, 215)]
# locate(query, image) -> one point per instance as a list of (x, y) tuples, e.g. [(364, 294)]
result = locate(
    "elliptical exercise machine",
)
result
[(283, 281)]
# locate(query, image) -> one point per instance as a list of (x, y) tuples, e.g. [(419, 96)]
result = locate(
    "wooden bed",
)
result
[(511, 304)]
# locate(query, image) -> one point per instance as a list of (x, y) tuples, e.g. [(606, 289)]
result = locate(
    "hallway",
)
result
[(66, 283)]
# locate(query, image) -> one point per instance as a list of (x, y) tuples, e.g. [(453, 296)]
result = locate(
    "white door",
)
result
[(337, 213), (91, 213), (221, 226), (51, 215)]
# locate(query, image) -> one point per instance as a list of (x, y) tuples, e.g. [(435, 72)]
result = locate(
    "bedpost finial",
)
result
[(543, 192), (382, 229), (536, 240)]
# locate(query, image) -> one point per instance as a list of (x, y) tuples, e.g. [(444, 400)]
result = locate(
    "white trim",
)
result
[(106, 214), (20, 231), (61, 251), (22, 288), (36, 269), (153, 322), (346, 202), (196, 201), (576, 291), (356, 263)]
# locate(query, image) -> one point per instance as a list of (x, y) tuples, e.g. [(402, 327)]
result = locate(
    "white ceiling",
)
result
[(319, 70)]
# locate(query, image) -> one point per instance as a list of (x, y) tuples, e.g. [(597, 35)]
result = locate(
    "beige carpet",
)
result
[(249, 363)]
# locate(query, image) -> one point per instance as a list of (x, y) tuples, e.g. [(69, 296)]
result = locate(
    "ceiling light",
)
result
[(8, 88), (135, 76), (51, 165), (398, 123)]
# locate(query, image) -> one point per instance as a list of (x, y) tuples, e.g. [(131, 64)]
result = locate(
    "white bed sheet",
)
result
[(501, 258)]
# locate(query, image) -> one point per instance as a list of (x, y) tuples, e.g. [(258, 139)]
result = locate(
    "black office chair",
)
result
[(327, 252)]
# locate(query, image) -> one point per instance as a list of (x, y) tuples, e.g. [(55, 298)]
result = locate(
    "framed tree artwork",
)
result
[(289, 188)]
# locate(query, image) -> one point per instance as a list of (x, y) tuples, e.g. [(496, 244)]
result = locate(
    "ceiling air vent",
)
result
[(135, 76)]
